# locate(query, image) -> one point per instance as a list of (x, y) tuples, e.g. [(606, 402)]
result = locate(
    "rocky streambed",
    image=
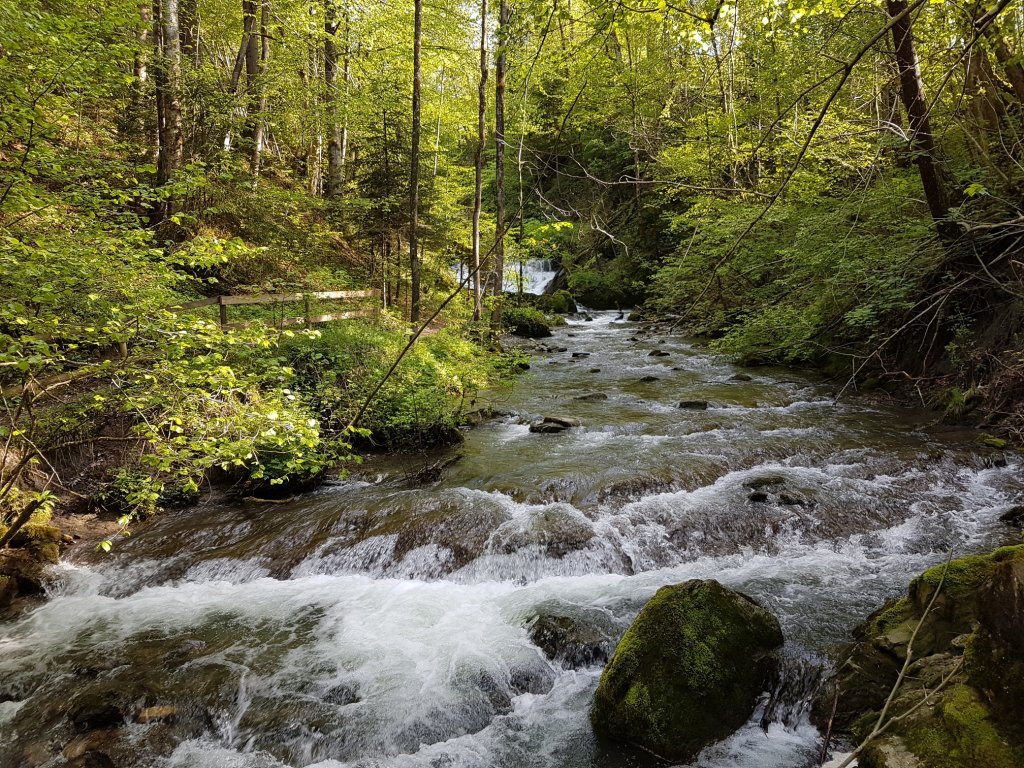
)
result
[(437, 612)]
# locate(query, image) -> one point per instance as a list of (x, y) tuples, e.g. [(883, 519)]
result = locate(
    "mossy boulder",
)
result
[(689, 671), (967, 658)]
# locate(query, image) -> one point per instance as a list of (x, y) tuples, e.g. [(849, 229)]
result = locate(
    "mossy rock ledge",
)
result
[(689, 670), (967, 660)]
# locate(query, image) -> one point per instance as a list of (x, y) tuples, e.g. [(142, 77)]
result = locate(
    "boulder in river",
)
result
[(591, 397), (689, 671), (648, 379), (658, 353), (573, 635), (741, 377), (694, 405), (552, 424), (967, 660)]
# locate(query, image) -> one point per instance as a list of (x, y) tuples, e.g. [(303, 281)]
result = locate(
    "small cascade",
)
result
[(535, 274), (386, 622)]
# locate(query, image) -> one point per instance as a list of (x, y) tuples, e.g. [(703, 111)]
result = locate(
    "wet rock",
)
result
[(591, 397), (764, 481), (758, 497), (970, 639), (573, 636), (156, 714), (648, 379), (594, 370), (741, 377), (688, 672), (342, 695), (553, 424), (92, 760), (1014, 516), (694, 405), (793, 500), (659, 353), (579, 355), (557, 530)]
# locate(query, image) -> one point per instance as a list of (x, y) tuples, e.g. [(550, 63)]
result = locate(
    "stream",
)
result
[(384, 621)]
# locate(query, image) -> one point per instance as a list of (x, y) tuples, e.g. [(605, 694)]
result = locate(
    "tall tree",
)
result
[(167, 76), (499, 160), (481, 142), (922, 140), (338, 131), (414, 168)]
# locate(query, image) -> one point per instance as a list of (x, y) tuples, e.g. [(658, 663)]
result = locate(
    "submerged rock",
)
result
[(648, 379), (591, 397), (572, 635), (694, 405), (658, 353), (967, 658), (741, 377), (689, 670)]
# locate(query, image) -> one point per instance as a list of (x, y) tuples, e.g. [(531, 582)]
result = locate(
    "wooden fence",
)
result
[(307, 318), (223, 302)]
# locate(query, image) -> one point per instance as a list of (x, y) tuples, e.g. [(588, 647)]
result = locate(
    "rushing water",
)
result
[(384, 621)]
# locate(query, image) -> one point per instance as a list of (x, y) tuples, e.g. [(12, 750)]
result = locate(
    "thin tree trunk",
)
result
[(481, 139), (189, 18), (167, 48), (414, 168), (138, 120), (334, 150), (499, 161), (922, 140), (437, 134), (258, 94)]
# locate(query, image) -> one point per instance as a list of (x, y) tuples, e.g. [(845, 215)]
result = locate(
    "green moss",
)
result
[(960, 733), (965, 574), (888, 618), (688, 671)]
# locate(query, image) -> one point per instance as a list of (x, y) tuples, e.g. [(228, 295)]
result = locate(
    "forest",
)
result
[(259, 254)]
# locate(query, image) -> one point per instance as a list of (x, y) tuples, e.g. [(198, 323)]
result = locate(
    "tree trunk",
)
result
[(189, 18), (922, 141), (258, 92), (499, 161), (138, 120), (335, 149), (414, 168), (167, 58), (481, 139)]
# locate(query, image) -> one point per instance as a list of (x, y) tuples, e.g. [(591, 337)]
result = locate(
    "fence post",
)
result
[(223, 312), (305, 303)]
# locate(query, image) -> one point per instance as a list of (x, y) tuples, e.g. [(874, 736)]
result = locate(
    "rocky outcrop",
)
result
[(966, 665), (689, 671)]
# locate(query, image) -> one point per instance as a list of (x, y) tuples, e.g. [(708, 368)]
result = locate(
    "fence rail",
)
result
[(284, 298)]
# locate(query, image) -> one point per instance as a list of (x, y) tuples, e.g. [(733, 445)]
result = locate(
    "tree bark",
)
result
[(258, 90), (481, 140), (167, 58), (922, 140), (499, 161), (414, 167), (336, 141)]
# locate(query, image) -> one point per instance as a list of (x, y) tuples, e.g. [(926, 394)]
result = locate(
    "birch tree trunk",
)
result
[(414, 168)]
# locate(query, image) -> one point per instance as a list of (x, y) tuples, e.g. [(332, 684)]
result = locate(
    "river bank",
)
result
[(386, 620)]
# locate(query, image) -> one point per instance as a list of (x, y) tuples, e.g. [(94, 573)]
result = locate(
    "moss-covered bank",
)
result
[(966, 666)]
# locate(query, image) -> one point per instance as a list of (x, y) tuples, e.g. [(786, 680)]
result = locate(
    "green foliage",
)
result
[(818, 274)]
